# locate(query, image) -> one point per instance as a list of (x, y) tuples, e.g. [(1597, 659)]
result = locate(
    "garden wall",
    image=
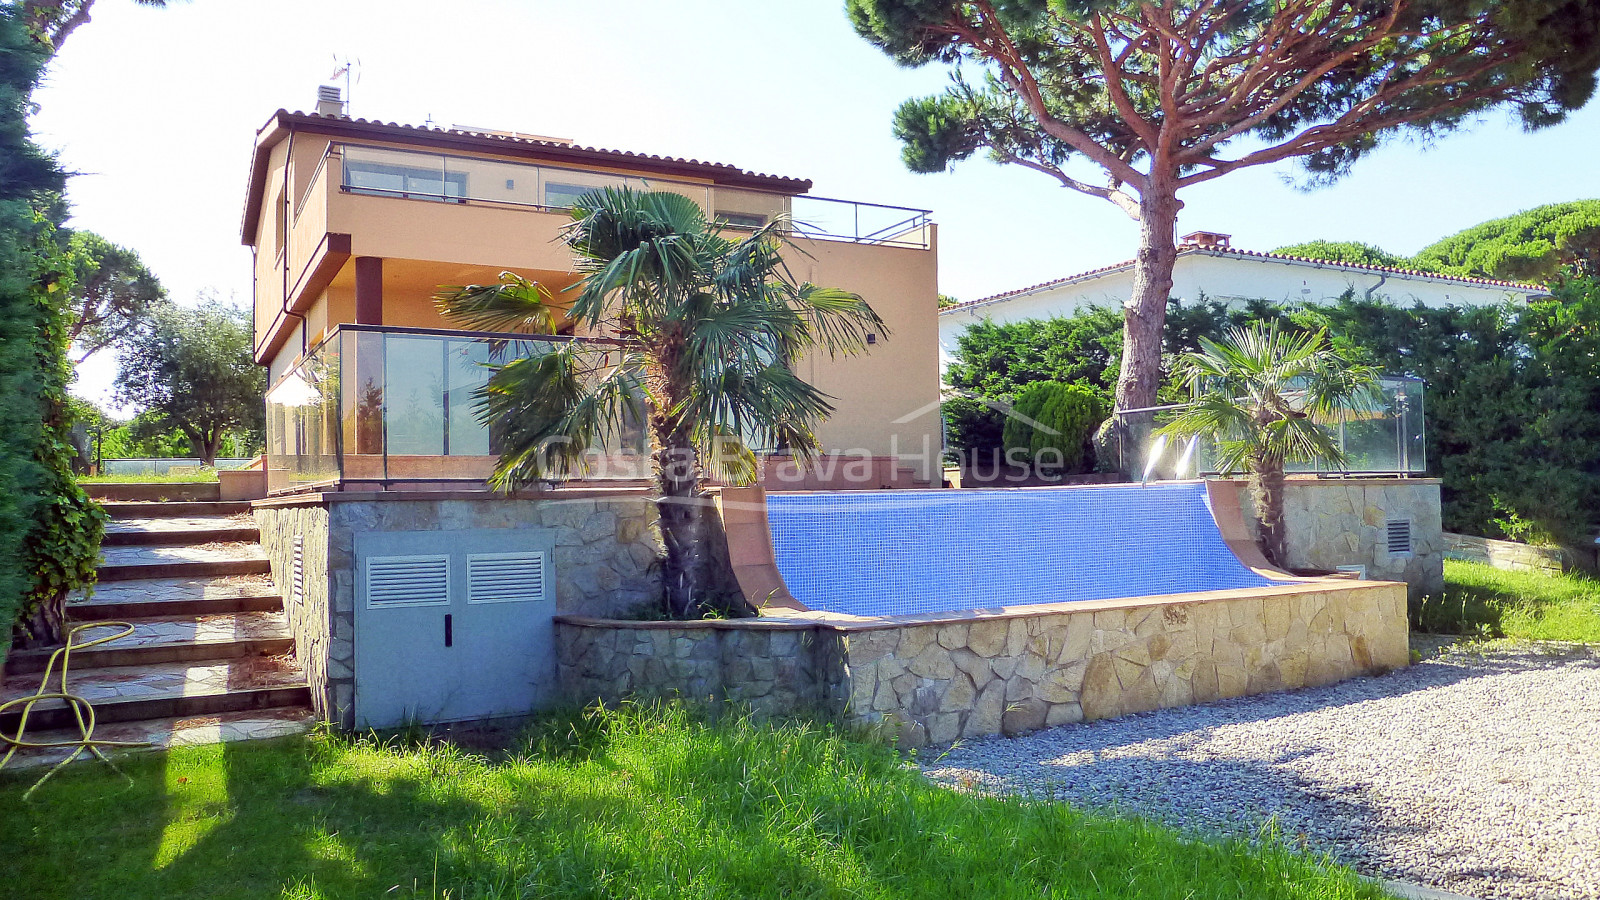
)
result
[(606, 547), (1515, 556), (1336, 522), (939, 678)]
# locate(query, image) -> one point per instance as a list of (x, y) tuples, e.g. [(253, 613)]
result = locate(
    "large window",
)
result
[(375, 177)]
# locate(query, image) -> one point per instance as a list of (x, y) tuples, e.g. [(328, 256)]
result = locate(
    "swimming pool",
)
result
[(885, 553)]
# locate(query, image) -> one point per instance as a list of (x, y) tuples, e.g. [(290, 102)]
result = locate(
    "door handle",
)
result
[(449, 631)]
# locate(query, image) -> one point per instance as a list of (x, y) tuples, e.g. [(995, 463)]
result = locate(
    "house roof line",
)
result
[(1244, 254), (283, 122)]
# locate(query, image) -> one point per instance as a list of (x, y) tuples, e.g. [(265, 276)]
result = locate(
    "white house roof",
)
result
[(1230, 253)]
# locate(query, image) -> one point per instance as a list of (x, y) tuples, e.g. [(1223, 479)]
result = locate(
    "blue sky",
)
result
[(158, 109)]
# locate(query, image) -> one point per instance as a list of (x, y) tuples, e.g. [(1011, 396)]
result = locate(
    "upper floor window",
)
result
[(374, 177), (741, 219)]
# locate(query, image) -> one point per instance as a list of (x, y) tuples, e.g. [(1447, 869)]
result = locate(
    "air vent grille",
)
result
[(408, 580), (297, 571), (505, 577), (1399, 536)]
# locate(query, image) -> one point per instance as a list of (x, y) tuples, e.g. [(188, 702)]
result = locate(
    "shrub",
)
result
[(1055, 421), (974, 429)]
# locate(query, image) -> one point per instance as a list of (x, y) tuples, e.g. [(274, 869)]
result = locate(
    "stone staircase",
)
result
[(210, 657)]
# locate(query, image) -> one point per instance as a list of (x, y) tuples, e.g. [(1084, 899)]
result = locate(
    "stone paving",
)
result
[(196, 553), (161, 734), (163, 680), (145, 525), (221, 628), (220, 587)]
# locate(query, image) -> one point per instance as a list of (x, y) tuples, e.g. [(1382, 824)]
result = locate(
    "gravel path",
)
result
[(1477, 771)]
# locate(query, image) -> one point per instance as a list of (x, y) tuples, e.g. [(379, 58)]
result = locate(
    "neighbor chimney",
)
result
[(329, 101), (1207, 240)]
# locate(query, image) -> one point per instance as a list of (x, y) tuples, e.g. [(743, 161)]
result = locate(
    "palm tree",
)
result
[(1264, 396), (710, 329)]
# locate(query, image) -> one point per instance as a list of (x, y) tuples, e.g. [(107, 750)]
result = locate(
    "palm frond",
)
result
[(512, 304)]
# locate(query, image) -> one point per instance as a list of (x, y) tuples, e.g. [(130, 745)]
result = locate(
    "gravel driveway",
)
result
[(1477, 771)]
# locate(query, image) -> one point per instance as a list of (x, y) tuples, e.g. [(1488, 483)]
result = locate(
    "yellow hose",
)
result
[(82, 710)]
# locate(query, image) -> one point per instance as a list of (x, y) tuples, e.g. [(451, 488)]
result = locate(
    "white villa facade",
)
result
[(1208, 267)]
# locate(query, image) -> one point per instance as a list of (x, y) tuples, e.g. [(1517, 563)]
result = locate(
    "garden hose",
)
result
[(82, 710)]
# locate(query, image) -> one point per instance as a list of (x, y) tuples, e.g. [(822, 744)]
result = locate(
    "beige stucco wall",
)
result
[(886, 401)]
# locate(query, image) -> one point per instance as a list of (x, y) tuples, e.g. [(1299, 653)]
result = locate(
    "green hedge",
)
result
[(1512, 403)]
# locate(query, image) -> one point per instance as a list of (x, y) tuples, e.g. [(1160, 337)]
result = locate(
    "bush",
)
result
[(973, 429), (1054, 421)]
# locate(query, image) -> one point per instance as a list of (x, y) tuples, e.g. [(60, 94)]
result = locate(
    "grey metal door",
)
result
[(453, 625)]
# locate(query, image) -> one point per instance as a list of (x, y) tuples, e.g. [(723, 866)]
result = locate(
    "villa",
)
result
[(356, 224), (1209, 267)]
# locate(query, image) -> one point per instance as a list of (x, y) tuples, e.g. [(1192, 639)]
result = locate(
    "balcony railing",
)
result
[(376, 407), (1389, 439), (442, 178)]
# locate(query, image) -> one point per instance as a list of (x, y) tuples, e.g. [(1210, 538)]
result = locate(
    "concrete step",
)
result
[(145, 597), (172, 731), (156, 491), (172, 530), (160, 690), (169, 509), (173, 639), (190, 561)]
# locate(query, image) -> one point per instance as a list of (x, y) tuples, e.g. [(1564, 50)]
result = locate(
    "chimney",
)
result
[(1207, 240), (330, 101)]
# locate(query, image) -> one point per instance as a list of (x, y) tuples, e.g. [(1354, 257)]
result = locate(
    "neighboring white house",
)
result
[(1208, 267)]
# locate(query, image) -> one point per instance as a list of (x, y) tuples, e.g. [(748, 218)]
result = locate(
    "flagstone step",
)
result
[(173, 731), (145, 597), (173, 639), (180, 530), (159, 690), (189, 561), (140, 509), (155, 491)]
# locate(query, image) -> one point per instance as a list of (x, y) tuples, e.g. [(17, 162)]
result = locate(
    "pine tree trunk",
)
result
[(1266, 487), (1143, 318)]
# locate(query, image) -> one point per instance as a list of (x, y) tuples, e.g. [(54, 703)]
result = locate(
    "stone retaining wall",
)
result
[(775, 670), (1512, 555), (936, 679), (1336, 522)]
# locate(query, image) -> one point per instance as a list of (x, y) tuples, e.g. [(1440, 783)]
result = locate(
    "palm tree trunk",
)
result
[(1266, 487), (680, 506)]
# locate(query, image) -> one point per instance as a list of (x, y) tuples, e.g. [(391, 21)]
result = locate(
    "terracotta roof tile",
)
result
[(1248, 254)]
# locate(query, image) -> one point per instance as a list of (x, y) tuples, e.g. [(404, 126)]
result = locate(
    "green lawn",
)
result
[(208, 475), (1481, 600), (648, 804)]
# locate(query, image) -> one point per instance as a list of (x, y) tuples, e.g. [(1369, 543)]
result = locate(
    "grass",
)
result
[(1483, 601), (184, 478), (640, 803)]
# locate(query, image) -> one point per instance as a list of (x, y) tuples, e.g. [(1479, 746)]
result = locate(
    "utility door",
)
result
[(453, 625)]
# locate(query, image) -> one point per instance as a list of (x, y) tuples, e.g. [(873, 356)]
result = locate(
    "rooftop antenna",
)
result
[(346, 68)]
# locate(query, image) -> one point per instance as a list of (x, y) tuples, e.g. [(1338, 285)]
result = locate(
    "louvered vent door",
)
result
[(453, 625)]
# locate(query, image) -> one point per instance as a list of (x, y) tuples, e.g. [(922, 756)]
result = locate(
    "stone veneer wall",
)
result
[(775, 669), (1515, 556), (937, 680), (605, 557), (1336, 522)]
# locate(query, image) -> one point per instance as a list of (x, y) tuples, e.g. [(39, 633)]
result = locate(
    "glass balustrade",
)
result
[(373, 407), (442, 178)]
